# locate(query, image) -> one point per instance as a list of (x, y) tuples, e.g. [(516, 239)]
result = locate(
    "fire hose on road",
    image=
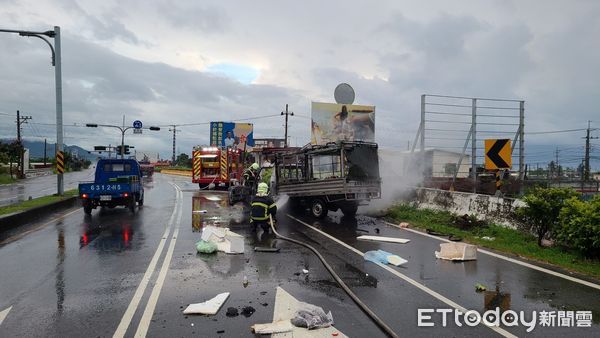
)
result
[(382, 325)]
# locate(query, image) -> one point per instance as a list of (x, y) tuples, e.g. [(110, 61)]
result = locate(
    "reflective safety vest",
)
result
[(262, 207)]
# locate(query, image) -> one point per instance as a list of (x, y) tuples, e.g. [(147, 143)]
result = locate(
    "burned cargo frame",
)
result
[(334, 176)]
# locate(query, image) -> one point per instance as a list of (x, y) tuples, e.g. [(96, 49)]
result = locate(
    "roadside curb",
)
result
[(19, 218), (176, 172)]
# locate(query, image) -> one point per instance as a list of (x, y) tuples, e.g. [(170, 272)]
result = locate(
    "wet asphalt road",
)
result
[(41, 186), (72, 275)]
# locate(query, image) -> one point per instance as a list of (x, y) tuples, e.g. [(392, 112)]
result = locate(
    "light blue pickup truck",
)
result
[(117, 182)]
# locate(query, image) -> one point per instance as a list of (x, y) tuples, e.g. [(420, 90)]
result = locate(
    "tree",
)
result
[(183, 160), (10, 152), (542, 210)]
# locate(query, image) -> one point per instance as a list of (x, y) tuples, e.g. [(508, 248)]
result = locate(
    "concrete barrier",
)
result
[(19, 218), (177, 172), (495, 209)]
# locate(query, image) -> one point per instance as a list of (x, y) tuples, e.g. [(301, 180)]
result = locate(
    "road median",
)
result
[(14, 215)]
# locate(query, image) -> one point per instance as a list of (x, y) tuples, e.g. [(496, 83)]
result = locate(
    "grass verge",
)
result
[(36, 202), (505, 239), (6, 179)]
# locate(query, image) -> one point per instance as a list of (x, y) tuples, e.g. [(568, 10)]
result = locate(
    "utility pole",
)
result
[(286, 122), (45, 151), (20, 121), (586, 166), (174, 130)]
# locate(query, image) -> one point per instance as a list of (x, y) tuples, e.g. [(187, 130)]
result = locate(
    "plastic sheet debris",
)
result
[(279, 326), (311, 317), (210, 307), (383, 239), (226, 241), (206, 247), (383, 257), (457, 252), (304, 271)]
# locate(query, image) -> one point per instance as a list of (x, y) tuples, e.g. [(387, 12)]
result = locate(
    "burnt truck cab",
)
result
[(341, 175)]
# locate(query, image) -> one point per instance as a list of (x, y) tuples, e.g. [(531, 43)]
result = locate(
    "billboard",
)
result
[(333, 122), (230, 134), (260, 143)]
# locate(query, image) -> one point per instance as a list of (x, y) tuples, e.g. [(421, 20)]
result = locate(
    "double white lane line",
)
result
[(139, 292)]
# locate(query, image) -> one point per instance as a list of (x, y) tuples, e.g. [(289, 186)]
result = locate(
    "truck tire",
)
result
[(318, 208), (87, 209), (132, 204), (141, 201), (349, 209)]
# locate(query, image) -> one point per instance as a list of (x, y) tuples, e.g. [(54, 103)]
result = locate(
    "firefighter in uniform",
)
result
[(262, 206), (251, 175)]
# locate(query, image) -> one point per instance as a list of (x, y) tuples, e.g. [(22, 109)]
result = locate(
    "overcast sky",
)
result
[(177, 62)]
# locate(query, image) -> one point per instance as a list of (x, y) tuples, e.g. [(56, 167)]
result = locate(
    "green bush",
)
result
[(580, 226), (541, 214)]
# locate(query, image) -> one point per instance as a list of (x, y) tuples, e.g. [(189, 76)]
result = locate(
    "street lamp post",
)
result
[(56, 62), (122, 129)]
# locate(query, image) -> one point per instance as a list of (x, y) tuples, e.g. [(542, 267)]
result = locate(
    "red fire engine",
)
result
[(219, 166)]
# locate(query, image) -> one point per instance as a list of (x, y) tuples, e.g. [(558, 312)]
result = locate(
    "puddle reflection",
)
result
[(110, 238), (213, 209)]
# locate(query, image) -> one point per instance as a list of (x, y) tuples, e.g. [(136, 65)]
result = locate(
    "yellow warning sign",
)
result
[(60, 162), (498, 154)]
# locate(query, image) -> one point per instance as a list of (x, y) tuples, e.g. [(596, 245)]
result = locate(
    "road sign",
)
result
[(137, 124), (60, 162), (498, 154), (137, 131)]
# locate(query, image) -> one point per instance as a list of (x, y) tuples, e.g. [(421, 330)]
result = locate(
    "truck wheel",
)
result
[(349, 209), (132, 204), (318, 208), (87, 209)]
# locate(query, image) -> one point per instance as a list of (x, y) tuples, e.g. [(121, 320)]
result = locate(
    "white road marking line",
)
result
[(512, 260), (4, 313), (139, 292), (411, 281), (144, 324)]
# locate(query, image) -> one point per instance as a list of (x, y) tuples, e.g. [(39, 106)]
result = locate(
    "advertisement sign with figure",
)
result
[(333, 122), (230, 134)]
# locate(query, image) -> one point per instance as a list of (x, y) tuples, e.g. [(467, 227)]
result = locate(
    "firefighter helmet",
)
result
[(263, 188)]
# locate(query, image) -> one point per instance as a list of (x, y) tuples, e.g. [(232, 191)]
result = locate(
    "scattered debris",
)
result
[(480, 287), (232, 312), (206, 247), (199, 211), (454, 238), (262, 293), (226, 241), (383, 257), (376, 230), (245, 281), (311, 317), (467, 222), (221, 331), (384, 239), (457, 252), (488, 238), (404, 225), (265, 249), (210, 307), (247, 311), (304, 271), (264, 304), (279, 326), (435, 233)]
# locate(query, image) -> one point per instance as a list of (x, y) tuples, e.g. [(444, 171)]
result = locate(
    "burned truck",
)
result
[(334, 176)]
